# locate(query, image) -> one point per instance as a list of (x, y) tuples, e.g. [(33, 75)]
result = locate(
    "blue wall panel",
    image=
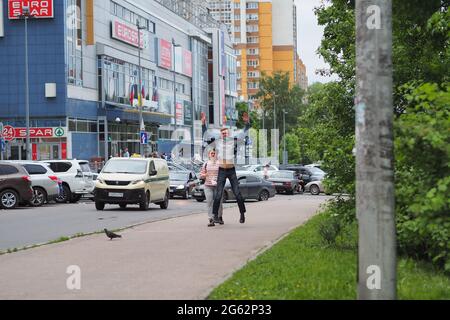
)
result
[(84, 145), (46, 42)]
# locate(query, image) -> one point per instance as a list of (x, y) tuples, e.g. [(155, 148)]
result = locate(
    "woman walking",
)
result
[(209, 173)]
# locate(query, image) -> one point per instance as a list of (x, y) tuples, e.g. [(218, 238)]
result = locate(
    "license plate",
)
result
[(116, 195), (278, 184), (198, 194)]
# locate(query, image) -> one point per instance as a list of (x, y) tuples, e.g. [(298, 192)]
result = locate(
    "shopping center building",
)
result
[(84, 76)]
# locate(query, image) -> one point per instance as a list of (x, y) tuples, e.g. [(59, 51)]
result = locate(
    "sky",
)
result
[(309, 36)]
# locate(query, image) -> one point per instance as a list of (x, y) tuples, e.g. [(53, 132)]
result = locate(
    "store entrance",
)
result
[(48, 151)]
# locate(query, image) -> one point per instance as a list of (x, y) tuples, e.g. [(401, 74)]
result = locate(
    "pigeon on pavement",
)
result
[(112, 235)]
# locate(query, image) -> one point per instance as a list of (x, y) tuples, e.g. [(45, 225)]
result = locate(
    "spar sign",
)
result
[(41, 9), (10, 133)]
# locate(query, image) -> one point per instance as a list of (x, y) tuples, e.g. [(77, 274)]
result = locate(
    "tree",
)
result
[(255, 118)]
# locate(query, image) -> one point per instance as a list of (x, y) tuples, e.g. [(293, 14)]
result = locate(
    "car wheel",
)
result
[(75, 198), (100, 206), (65, 196), (263, 195), (186, 194), (165, 204), (39, 197), (144, 205), (200, 200), (314, 189), (123, 206), (9, 199)]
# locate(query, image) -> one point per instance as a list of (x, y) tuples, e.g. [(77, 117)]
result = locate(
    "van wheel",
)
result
[(143, 205), (123, 206), (100, 206), (9, 199), (165, 204), (75, 198)]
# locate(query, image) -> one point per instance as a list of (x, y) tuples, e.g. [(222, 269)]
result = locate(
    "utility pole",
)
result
[(285, 158), (375, 203), (140, 97), (26, 15)]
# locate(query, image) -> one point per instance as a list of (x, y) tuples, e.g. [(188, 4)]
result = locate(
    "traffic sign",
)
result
[(144, 138)]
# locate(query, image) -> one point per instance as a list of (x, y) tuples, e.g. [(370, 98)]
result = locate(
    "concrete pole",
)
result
[(27, 91), (375, 203), (141, 118), (174, 89)]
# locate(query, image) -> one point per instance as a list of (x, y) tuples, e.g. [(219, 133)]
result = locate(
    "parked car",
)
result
[(306, 174), (252, 186), (183, 183), (315, 188), (76, 176), (257, 169), (126, 181), (45, 183), (286, 181), (15, 185)]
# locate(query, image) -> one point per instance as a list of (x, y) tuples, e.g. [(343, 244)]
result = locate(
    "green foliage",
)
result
[(275, 91), (292, 147), (255, 119), (423, 173)]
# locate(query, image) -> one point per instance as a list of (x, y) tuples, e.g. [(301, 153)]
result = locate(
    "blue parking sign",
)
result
[(144, 138)]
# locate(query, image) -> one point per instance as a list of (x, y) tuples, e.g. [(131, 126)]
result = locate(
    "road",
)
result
[(176, 258), (30, 226)]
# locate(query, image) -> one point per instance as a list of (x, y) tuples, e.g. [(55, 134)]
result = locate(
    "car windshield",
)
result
[(283, 175), (126, 166), (180, 176), (315, 170)]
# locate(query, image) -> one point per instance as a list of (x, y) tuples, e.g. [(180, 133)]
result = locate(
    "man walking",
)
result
[(225, 148)]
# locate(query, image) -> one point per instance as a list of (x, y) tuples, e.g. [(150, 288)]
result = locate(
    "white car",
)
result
[(76, 176), (257, 169)]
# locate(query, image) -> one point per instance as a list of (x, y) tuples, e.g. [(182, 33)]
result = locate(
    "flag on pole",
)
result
[(132, 94), (155, 89)]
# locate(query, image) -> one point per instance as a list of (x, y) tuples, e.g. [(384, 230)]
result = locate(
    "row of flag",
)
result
[(134, 92)]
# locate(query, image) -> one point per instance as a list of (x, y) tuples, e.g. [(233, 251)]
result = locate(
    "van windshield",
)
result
[(126, 166)]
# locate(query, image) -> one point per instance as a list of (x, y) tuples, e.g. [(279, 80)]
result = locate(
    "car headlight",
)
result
[(101, 181), (137, 182), (180, 187)]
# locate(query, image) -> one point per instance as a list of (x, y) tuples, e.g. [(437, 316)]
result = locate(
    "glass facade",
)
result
[(117, 79), (74, 43), (200, 78)]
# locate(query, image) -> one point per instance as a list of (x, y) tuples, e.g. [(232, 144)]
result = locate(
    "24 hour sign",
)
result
[(38, 8)]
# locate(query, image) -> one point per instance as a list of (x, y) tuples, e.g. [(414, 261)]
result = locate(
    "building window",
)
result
[(252, 39), (252, 5), (74, 43), (252, 16), (252, 28), (131, 17), (253, 85), (253, 51), (252, 63), (253, 74), (120, 81)]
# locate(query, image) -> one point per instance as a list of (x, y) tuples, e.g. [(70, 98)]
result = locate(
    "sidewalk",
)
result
[(172, 259)]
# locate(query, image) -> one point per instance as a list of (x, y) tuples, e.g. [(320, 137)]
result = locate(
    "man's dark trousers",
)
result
[(221, 180)]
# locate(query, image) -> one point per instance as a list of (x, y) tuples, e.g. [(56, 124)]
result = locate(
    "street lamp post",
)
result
[(274, 112), (26, 15), (141, 117), (174, 45), (284, 138)]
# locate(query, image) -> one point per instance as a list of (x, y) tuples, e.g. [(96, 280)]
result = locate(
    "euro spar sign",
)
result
[(41, 9), (10, 133), (127, 33)]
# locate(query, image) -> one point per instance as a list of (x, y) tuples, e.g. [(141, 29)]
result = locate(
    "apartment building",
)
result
[(264, 33)]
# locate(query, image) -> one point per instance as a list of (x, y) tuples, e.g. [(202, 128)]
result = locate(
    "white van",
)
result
[(126, 181)]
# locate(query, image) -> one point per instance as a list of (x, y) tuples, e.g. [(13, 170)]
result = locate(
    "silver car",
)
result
[(315, 188), (44, 182)]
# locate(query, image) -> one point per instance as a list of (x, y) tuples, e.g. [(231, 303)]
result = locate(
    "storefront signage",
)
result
[(40, 9), (183, 61), (10, 133), (180, 113), (127, 33), (187, 113), (165, 54)]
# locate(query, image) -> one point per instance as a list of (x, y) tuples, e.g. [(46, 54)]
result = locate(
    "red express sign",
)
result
[(127, 33), (38, 8), (165, 54)]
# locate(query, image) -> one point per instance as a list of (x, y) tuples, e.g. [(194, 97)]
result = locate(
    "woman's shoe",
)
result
[(221, 221), (211, 223)]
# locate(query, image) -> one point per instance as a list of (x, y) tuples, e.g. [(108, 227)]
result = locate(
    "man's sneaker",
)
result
[(221, 221), (211, 223), (216, 219), (242, 220)]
